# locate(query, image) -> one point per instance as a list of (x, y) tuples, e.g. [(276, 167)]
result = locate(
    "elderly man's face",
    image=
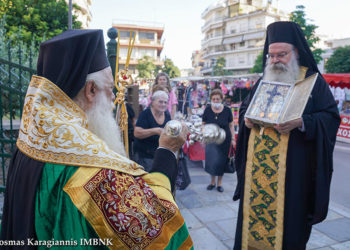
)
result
[(280, 53)]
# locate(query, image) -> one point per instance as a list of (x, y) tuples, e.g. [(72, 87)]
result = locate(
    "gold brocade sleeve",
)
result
[(135, 212), (160, 184)]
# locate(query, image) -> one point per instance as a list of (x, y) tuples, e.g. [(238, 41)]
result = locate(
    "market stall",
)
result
[(340, 83)]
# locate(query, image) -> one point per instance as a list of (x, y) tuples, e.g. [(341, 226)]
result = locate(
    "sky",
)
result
[(182, 20)]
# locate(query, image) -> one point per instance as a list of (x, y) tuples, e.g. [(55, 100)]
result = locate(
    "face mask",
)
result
[(216, 105)]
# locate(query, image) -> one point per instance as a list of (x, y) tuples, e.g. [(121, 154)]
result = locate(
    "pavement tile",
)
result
[(322, 248), (228, 226), (212, 213), (199, 179), (229, 243), (179, 204), (187, 191), (224, 197), (200, 188), (340, 209), (318, 239), (338, 229), (190, 201), (333, 215), (342, 246), (218, 231), (203, 239), (191, 221), (234, 205)]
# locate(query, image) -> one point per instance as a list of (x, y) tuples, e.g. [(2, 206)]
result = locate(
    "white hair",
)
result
[(158, 94), (280, 72), (96, 77), (102, 123)]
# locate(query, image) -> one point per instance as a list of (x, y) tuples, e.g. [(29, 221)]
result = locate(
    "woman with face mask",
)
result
[(216, 156)]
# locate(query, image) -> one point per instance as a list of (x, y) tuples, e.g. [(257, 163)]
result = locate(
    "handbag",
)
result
[(230, 166), (183, 178)]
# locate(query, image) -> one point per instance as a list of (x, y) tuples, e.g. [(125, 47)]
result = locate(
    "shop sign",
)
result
[(344, 129)]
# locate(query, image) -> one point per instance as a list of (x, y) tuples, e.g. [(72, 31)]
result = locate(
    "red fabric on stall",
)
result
[(196, 152), (338, 80)]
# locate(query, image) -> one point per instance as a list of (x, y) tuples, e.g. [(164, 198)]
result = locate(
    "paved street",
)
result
[(211, 216)]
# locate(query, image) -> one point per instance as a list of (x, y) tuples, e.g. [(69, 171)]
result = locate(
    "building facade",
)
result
[(83, 14), (329, 47), (235, 30), (148, 42)]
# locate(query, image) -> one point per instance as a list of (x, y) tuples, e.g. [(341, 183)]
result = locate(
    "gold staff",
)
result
[(124, 79)]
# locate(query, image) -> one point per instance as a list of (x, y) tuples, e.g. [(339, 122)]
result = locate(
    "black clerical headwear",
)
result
[(68, 58), (290, 32)]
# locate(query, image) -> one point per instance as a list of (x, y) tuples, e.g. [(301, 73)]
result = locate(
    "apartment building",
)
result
[(83, 14), (235, 30), (148, 41)]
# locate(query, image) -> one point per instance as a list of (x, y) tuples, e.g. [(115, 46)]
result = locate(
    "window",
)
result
[(124, 34), (146, 52), (242, 44), (241, 60), (146, 35), (122, 53)]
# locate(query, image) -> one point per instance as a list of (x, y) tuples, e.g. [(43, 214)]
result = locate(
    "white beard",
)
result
[(102, 123), (279, 72)]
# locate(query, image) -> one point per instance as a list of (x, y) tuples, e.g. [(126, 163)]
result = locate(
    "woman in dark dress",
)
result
[(216, 156), (148, 128)]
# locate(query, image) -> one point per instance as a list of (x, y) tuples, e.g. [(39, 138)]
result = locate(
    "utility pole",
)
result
[(70, 15)]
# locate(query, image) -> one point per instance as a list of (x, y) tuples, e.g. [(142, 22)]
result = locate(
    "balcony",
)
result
[(134, 61), (144, 44), (217, 53), (213, 24), (214, 41)]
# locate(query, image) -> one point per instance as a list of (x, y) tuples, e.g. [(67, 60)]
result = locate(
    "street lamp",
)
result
[(70, 15)]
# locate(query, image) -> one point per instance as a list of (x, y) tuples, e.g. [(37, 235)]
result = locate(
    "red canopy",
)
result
[(338, 80)]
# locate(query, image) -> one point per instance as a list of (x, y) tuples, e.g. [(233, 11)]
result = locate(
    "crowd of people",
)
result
[(70, 177)]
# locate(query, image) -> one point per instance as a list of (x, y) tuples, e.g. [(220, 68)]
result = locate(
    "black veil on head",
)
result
[(68, 58), (290, 32)]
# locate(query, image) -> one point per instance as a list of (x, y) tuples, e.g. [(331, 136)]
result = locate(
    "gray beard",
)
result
[(279, 72), (102, 123)]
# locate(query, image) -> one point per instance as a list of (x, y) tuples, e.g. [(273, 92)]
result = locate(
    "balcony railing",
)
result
[(137, 23)]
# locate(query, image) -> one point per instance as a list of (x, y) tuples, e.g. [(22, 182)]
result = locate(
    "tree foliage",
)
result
[(339, 62), (298, 16), (258, 64), (35, 20), (219, 67), (146, 67), (170, 68)]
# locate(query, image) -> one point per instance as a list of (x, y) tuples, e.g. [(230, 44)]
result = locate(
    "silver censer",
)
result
[(208, 133)]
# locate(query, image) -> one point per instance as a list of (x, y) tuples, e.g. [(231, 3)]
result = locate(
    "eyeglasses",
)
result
[(278, 55)]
